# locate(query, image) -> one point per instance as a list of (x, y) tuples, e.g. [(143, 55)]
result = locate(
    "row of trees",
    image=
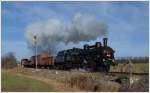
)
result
[(133, 59), (8, 61)]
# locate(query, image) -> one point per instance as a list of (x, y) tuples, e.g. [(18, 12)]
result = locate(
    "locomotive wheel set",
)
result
[(97, 57)]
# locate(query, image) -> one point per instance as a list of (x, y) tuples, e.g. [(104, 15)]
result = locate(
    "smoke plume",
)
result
[(51, 32)]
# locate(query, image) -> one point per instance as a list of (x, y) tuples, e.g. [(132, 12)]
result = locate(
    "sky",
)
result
[(127, 24)]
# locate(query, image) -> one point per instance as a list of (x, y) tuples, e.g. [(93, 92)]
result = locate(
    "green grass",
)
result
[(17, 83)]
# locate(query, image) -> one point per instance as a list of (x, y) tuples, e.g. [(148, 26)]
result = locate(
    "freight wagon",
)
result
[(43, 60)]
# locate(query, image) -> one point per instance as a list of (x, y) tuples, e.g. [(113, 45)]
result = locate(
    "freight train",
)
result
[(96, 57)]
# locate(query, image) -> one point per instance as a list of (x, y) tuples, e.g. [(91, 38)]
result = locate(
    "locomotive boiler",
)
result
[(69, 59)]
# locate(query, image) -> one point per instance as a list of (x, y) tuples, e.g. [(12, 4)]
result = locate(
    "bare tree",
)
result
[(9, 61)]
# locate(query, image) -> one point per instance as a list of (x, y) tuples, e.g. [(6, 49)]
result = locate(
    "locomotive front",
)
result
[(99, 57), (108, 54)]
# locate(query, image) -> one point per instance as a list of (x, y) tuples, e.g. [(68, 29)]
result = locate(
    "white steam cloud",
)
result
[(54, 31)]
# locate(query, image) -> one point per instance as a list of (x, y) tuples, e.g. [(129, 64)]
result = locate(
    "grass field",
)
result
[(27, 79), (138, 66), (63, 81), (18, 83)]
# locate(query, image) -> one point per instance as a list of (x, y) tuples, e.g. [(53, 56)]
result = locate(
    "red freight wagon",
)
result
[(46, 59), (43, 60), (33, 60)]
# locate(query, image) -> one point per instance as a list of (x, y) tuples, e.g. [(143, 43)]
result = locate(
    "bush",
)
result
[(89, 83), (9, 61)]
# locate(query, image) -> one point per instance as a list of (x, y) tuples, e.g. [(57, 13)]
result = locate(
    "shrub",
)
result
[(9, 61), (89, 83)]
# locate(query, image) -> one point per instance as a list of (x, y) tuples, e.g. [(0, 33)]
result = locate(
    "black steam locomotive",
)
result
[(97, 57)]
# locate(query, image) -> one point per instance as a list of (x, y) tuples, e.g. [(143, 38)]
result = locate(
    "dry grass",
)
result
[(140, 85), (90, 83), (137, 67)]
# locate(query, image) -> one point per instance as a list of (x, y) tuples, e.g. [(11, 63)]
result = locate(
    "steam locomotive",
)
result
[(96, 57)]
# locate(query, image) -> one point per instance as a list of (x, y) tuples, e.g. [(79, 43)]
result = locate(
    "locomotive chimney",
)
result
[(105, 41)]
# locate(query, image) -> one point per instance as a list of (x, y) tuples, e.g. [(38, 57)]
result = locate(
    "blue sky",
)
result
[(127, 23)]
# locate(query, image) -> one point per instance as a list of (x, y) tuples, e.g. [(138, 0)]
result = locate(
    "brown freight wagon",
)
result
[(33, 62), (43, 60), (25, 63)]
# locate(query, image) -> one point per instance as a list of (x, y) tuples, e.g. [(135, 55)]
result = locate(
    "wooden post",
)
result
[(130, 72)]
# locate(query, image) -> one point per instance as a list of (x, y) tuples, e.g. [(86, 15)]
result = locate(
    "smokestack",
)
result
[(105, 41)]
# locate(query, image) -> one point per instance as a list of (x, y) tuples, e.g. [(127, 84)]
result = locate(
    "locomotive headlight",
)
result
[(104, 60), (108, 55)]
